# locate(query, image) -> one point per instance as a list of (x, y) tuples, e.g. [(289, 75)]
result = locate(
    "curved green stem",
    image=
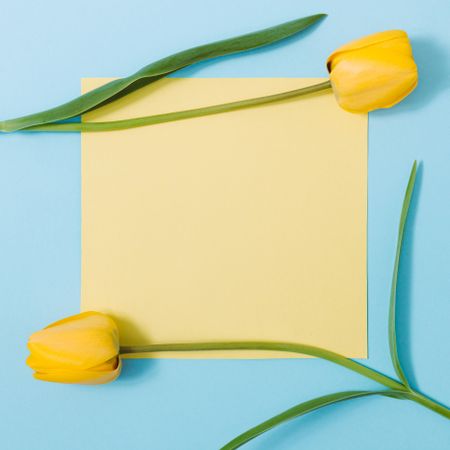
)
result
[(428, 403), (275, 346), (300, 410), (179, 115), (321, 402), (399, 388)]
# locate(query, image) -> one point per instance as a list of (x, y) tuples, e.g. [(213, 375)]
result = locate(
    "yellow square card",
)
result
[(249, 225)]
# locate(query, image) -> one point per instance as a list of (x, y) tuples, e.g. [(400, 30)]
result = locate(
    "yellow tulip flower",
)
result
[(373, 72), (80, 349)]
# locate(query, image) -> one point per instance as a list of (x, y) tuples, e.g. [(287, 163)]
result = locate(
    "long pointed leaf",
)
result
[(300, 410), (152, 72), (393, 301)]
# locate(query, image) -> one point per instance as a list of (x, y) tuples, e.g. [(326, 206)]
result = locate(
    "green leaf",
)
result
[(152, 72), (302, 409), (392, 306)]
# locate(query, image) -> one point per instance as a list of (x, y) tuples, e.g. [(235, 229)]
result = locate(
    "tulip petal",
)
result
[(367, 41), (79, 342), (81, 318), (80, 376)]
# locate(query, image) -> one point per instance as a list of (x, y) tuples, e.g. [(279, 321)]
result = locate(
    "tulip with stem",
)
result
[(85, 349), (370, 73)]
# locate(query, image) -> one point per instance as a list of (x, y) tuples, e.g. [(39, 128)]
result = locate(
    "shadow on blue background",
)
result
[(434, 76), (135, 370)]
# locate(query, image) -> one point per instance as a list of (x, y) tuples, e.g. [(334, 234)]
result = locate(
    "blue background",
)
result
[(47, 46)]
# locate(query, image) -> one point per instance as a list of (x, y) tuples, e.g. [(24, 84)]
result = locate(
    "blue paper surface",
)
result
[(47, 47)]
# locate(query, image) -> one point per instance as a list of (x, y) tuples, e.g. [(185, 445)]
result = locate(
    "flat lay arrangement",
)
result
[(86, 349), (227, 219)]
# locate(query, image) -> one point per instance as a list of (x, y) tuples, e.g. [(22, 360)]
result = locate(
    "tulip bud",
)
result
[(80, 349), (373, 72)]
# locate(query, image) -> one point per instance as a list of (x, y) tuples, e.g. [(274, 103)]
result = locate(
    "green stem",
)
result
[(310, 350), (308, 407), (179, 115), (275, 346), (300, 410), (428, 403)]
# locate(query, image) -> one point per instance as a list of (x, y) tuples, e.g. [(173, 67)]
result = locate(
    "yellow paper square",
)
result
[(248, 225)]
